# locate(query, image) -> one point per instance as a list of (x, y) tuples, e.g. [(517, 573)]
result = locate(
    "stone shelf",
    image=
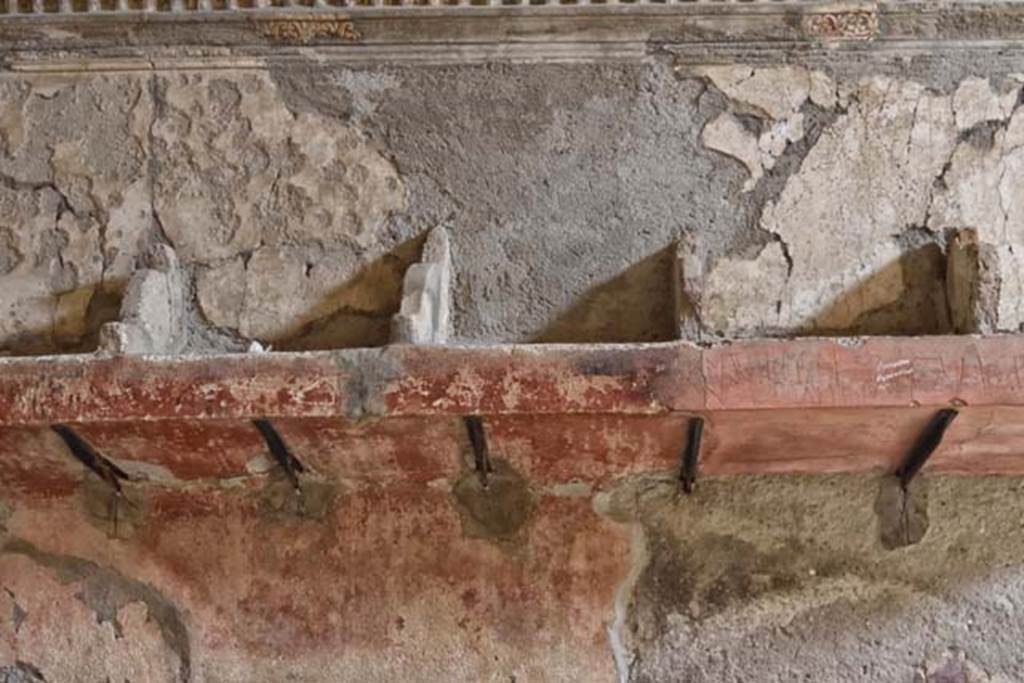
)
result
[(558, 414), (389, 514)]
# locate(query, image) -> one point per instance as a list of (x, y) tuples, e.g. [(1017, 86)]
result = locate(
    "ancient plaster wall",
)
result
[(812, 198), (750, 578), (778, 579), (821, 197)]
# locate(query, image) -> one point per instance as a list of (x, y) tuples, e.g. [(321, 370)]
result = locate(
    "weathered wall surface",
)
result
[(812, 198), (828, 196), (750, 579), (783, 579)]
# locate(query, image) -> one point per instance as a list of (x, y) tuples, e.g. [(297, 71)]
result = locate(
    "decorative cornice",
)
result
[(160, 33)]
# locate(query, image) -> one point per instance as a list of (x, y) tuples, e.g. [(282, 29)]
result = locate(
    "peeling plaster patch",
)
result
[(90, 623), (497, 511), (727, 134), (774, 95), (839, 219), (737, 294), (773, 141), (238, 170), (980, 190), (73, 192), (877, 281), (867, 179), (1010, 308), (221, 292), (46, 296), (975, 101)]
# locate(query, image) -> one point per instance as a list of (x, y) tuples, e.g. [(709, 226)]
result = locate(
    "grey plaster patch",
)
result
[(553, 188), (497, 510), (902, 512)]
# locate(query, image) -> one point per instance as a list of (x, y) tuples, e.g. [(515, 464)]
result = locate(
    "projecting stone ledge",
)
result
[(804, 405)]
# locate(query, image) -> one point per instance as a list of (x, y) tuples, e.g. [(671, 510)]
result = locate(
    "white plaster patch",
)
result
[(868, 178), (981, 187), (1011, 291), (279, 291), (740, 295), (774, 95), (975, 101), (238, 170), (726, 134), (981, 191)]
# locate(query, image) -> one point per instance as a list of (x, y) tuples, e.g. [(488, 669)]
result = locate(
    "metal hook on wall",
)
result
[(691, 455), (925, 445), (102, 467), (279, 451), (481, 454)]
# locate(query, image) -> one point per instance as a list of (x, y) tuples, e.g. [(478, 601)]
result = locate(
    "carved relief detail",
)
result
[(854, 25), (305, 30)]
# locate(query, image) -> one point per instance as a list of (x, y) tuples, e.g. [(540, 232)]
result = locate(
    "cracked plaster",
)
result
[(895, 161)]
